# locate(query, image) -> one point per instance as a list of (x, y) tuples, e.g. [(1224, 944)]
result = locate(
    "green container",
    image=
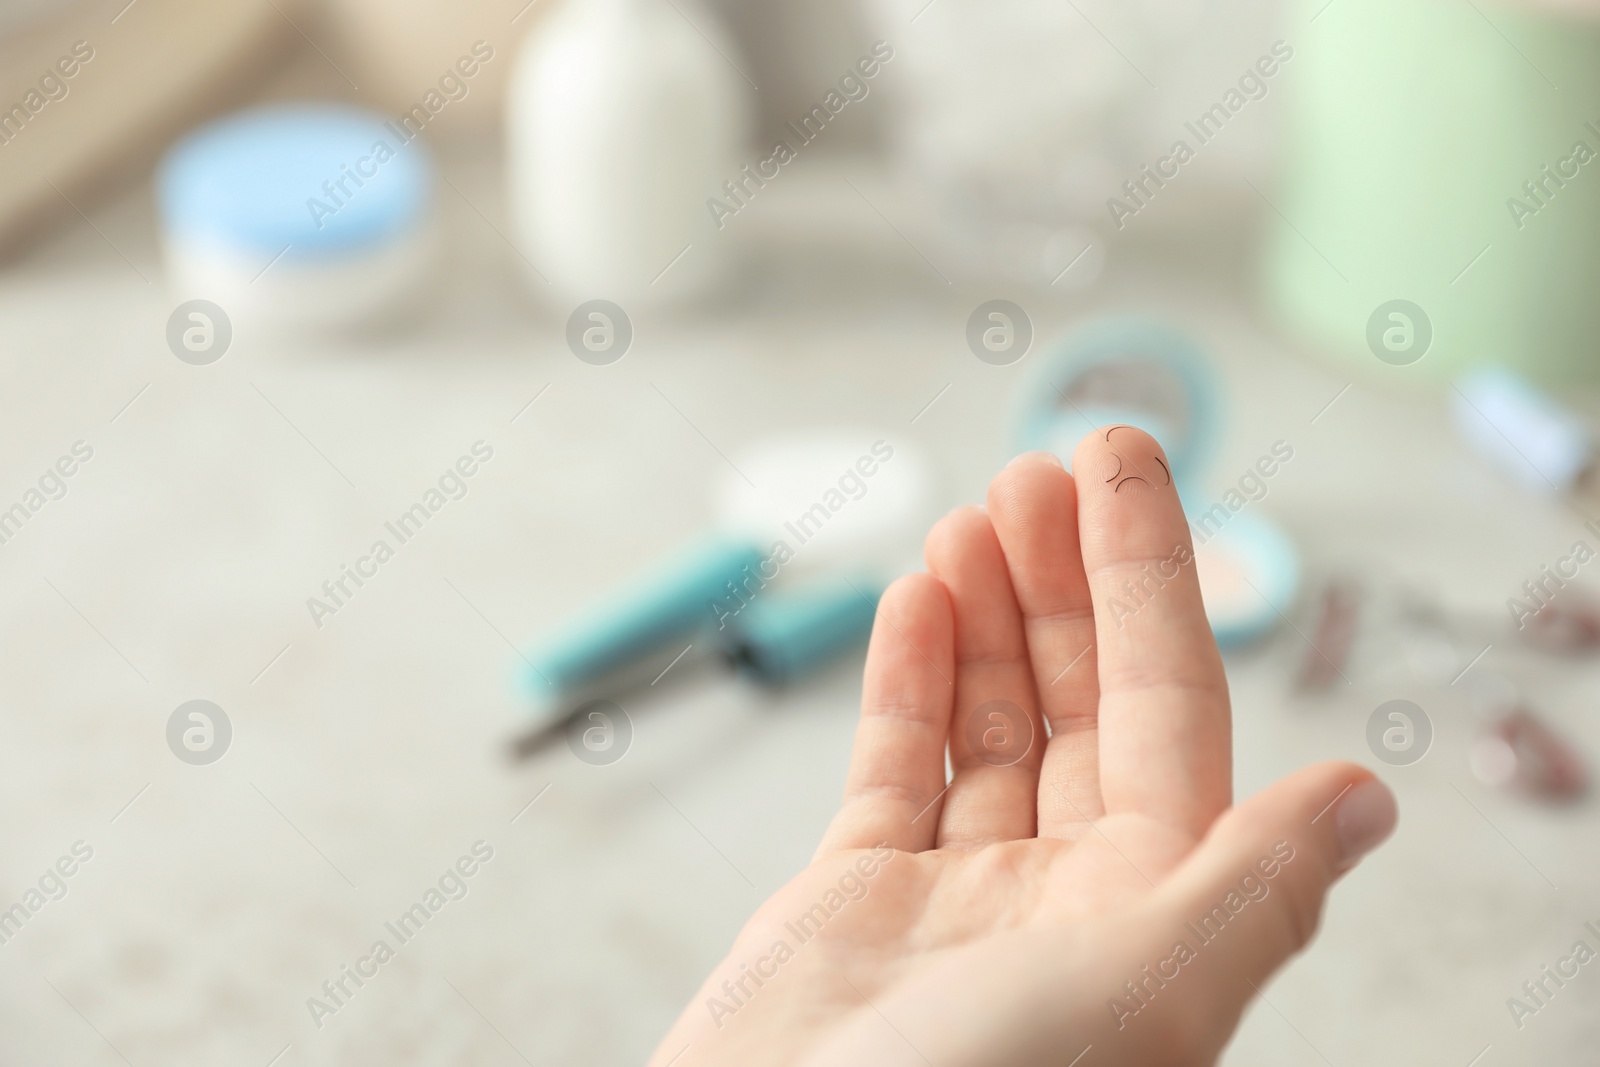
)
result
[(1410, 127)]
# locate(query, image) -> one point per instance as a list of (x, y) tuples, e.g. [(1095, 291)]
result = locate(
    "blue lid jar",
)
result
[(307, 181)]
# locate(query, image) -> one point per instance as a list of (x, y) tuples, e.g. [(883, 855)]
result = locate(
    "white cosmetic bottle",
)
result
[(623, 120)]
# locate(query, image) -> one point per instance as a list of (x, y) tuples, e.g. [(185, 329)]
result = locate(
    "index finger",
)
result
[(1166, 746)]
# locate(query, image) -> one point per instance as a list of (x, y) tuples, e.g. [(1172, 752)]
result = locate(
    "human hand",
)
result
[(1034, 907)]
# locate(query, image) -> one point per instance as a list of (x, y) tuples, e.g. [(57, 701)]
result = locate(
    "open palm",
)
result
[(1076, 892)]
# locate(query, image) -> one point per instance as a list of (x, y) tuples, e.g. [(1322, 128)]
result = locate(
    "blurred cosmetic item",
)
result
[(91, 90), (1336, 616), (637, 632), (787, 582), (1007, 120), (1517, 749), (1373, 630), (299, 216), (1249, 575), (1377, 620), (1526, 434), (783, 638), (1030, 131), (1446, 155), (1140, 372), (707, 602), (1569, 624), (624, 118), (1128, 369), (796, 52), (830, 500), (399, 51)]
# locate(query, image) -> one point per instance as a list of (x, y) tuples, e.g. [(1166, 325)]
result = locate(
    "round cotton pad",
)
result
[(833, 497)]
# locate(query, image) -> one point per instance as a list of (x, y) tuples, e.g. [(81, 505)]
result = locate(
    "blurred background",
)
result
[(404, 404)]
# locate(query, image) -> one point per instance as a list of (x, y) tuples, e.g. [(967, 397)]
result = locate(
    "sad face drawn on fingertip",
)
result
[(1165, 470)]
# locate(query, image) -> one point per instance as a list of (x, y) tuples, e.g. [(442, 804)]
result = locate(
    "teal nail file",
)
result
[(657, 614), (782, 636)]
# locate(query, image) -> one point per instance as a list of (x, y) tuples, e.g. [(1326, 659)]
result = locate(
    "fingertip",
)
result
[(1038, 456), (897, 763), (915, 610), (1342, 808), (1364, 818), (1032, 483), (910, 596), (947, 541), (1120, 455), (1267, 865)]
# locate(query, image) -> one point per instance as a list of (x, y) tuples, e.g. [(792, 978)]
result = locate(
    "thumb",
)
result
[(1250, 896)]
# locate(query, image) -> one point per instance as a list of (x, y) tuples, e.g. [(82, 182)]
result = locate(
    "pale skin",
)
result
[(1002, 921)]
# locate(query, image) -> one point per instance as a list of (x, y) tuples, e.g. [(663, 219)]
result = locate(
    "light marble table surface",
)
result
[(369, 754)]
